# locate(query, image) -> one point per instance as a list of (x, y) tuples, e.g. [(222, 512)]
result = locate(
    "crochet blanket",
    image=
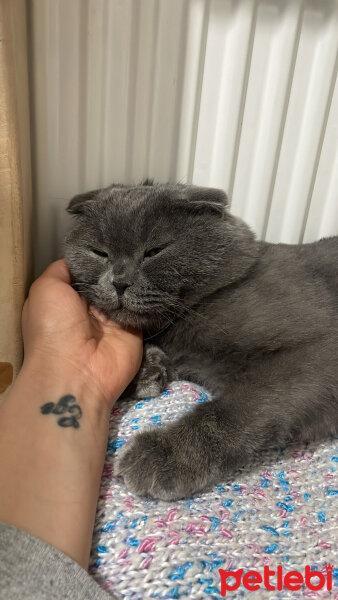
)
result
[(279, 511)]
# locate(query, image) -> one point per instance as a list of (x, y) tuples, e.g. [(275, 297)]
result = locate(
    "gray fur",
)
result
[(256, 323)]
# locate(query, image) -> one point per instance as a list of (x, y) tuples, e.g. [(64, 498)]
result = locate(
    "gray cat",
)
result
[(256, 323)]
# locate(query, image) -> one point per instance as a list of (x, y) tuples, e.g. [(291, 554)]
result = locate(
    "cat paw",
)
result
[(150, 468), (154, 374)]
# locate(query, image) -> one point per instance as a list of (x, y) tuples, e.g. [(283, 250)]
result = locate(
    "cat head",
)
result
[(143, 254)]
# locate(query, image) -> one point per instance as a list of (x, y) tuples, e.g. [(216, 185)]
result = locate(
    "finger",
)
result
[(58, 270)]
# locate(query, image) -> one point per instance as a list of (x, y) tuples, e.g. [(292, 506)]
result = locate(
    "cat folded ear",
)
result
[(79, 204), (202, 199)]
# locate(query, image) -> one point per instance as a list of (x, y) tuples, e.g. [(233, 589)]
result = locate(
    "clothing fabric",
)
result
[(30, 569)]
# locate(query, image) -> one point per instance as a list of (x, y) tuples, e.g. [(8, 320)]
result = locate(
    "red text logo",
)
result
[(292, 580)]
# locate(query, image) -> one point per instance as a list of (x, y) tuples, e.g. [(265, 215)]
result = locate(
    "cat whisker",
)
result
[(190, 311), (81, 284), (80, 291)]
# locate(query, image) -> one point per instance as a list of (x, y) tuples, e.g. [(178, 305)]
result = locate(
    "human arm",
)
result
[(50, 473)]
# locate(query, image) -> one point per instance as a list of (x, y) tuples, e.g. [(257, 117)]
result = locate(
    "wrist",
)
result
[(63, 376), (50, 471)]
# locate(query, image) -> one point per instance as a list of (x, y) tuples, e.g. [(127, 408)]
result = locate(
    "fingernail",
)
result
[(97, 315)]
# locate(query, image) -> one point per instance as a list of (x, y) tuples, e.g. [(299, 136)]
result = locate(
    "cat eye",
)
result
[(152, 252), (99, 252)]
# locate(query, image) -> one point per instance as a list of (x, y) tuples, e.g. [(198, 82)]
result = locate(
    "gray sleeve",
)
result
[(33, 570)]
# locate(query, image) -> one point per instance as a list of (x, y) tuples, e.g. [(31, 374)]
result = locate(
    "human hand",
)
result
[(62, 333)]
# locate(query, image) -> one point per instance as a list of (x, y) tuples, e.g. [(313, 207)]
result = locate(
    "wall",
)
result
[(238, 94), (15, 185)]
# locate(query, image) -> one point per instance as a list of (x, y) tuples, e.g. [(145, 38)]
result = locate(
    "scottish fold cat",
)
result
[(255, 323)]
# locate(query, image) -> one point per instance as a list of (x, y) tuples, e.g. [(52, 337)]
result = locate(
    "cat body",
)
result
[(255, 323)]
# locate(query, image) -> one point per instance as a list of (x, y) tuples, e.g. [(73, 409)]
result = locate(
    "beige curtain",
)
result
[(15, 184)]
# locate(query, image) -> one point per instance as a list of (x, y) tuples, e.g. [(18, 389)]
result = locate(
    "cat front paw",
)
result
[(149, 467), (155, 373)]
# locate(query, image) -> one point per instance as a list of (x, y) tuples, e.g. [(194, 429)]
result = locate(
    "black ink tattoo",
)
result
[(65, 405)]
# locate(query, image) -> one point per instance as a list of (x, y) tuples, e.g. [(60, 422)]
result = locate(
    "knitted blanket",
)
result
[(279, 511)]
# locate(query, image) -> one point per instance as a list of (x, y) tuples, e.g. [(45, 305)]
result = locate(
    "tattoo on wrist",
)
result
[(65, 406)]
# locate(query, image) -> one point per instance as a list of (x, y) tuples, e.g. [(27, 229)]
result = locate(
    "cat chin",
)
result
[(127, 317), (130, 319)]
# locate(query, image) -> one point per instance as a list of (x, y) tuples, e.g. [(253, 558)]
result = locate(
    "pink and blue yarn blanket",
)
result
[(280, 511)]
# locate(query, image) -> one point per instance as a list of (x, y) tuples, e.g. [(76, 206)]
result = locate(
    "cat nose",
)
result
[(120, 287), (121, 275)]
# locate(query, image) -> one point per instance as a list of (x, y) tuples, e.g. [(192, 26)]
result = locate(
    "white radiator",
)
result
[(236, 94)]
